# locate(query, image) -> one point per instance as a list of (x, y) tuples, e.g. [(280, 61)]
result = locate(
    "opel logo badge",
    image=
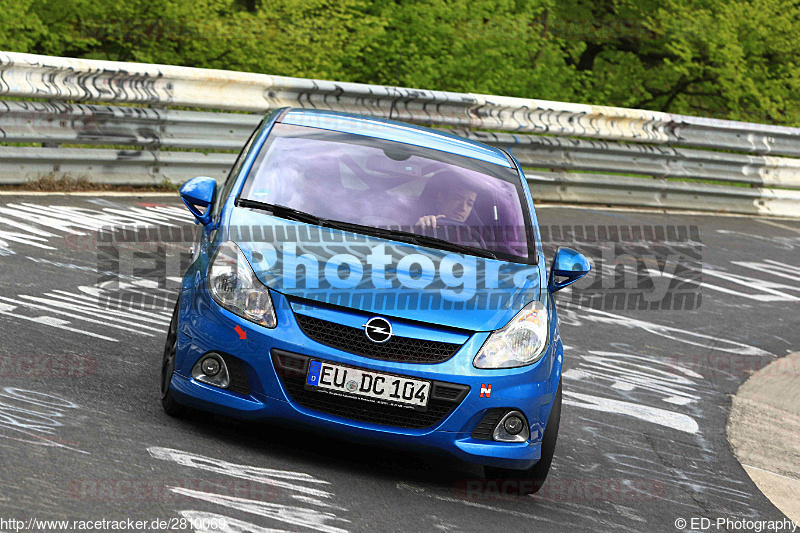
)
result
[(378, 329)]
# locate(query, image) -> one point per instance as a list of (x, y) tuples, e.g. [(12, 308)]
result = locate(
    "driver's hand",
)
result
[(428, 221)]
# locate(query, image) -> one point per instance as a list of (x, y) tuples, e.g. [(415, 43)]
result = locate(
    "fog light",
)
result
[(211, 369), (513, 425), (512, 428), (210, 366)]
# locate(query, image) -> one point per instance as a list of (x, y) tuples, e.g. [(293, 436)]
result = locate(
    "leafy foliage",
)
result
[(723, 58)]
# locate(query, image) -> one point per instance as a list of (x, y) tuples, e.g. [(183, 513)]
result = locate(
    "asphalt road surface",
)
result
[(642, 444)]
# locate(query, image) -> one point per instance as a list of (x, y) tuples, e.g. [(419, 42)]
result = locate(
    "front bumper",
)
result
[(204, 327)]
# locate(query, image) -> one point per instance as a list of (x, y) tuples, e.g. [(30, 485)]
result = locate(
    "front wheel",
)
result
[(168, 402), (534, 477)]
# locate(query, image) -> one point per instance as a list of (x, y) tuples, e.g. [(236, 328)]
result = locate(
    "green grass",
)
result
[(51, 183)]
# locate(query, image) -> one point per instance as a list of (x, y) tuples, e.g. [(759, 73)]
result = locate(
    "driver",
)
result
[(454, 204)]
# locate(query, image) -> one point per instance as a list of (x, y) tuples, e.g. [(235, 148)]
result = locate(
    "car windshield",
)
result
[(388, 185)]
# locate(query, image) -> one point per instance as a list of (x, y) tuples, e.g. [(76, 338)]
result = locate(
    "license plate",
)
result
[(365, 384)]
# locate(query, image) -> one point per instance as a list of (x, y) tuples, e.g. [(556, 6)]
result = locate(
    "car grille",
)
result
[(353, 340), (238, 375), (292, 369), (485, 429)]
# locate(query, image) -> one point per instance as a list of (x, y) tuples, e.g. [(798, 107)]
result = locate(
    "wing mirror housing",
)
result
[(568, 265), (199, 192)]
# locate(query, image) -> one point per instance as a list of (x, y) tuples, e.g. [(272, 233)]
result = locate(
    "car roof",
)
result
[(391, 130)]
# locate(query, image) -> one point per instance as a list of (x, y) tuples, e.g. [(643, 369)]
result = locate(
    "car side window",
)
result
[(237, 166)]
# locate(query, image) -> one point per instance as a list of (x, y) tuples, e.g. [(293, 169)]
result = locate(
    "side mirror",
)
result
[(567, 264), (199, 192)]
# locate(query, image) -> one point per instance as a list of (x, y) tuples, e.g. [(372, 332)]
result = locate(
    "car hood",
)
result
[(380, 276)]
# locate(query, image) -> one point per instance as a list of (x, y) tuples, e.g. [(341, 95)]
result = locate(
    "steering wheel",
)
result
[(473, 232)]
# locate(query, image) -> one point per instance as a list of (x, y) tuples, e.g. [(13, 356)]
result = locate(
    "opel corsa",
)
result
[(379, 281)]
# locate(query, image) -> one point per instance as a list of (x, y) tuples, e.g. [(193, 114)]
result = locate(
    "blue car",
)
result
[(379, 281)]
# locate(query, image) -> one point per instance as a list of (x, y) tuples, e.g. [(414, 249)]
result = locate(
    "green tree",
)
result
[(20, 27), (484, 46), (722, 58), (309, 38), (725, 59), (315, 38), (194, 33)]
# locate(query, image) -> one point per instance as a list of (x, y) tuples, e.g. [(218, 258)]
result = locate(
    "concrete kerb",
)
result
[(764, 431)]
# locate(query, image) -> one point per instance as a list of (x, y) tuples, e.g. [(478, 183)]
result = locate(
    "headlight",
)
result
[(234, 286), (521, 342)]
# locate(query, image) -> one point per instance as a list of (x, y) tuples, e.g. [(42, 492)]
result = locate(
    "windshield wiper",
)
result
[(404, 236), (413, 238), (444, 244), (283, 212)]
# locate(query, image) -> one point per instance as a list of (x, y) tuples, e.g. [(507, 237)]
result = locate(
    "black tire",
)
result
[(168, 402), (532, 479)]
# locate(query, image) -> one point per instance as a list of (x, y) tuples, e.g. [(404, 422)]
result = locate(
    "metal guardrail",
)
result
[(578, 153)]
